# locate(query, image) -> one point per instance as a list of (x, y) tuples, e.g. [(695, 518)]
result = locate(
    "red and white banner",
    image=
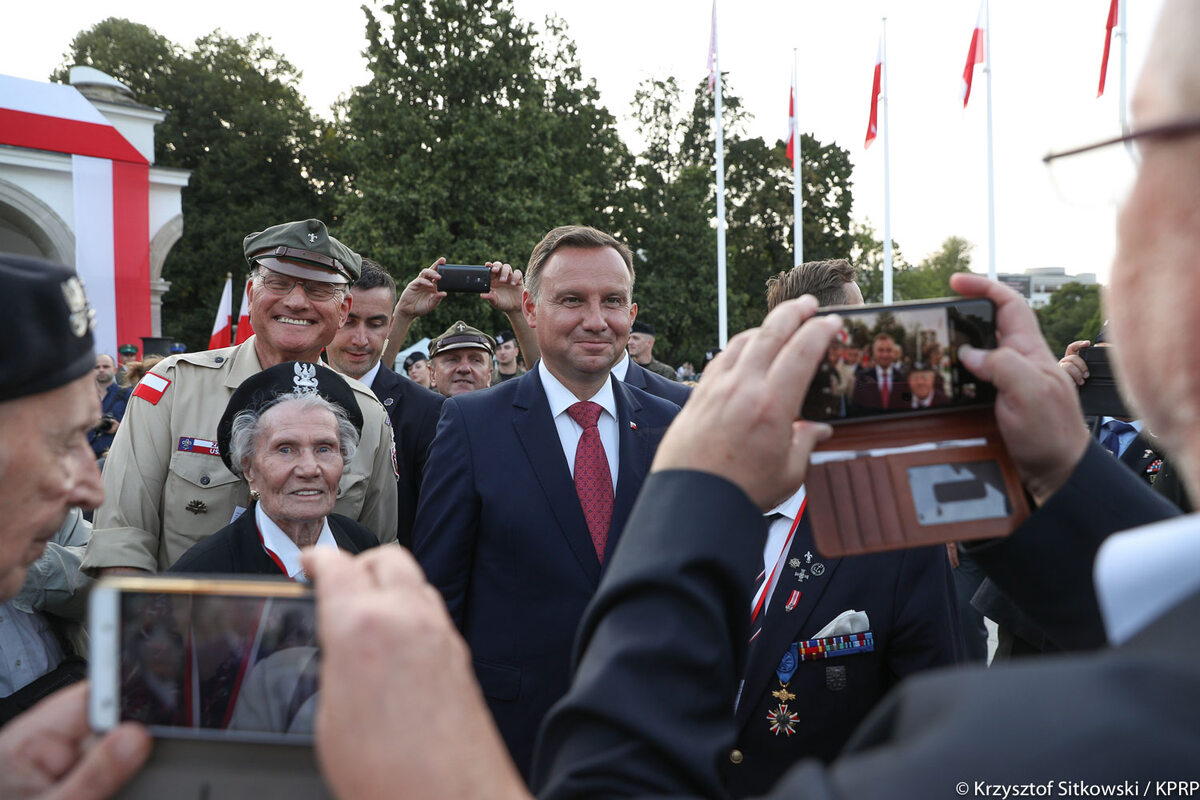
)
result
[(1108, 29), (712, 51), (791, 137), (222, 331), (244, 329), (975, 54), (111, 199), (873, 122)]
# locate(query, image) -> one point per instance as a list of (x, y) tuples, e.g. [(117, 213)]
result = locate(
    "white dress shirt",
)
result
[(1125, 439), (368, 379), (274, 540), (569, 431), (622, 367)]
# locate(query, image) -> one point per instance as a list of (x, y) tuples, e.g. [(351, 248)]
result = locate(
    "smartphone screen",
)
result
[(902, 359), (206, 663)]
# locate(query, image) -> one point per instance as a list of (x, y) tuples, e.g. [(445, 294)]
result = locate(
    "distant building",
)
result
[(1037, 285)]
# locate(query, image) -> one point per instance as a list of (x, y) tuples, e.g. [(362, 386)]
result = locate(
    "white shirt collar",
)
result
[(1140, 574), (274, 540), (369, 378), (561, 398), (621, 370), (790, 507)]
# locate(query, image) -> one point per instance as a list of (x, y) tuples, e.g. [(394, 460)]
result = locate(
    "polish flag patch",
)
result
[(151, 388)]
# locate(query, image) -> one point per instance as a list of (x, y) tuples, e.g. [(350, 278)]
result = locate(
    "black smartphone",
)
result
[(1099, 395), (464, 278), (902, 359)]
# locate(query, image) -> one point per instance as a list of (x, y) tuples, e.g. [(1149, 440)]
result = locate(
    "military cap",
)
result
[(289, 378), (505, 336), (460, 335), (303, 250), (49, 316), (413, 358), (178, 347), (921, 366), (642, 327), (127, 350)]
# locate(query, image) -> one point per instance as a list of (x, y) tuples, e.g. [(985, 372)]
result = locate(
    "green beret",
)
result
[(460, 335), (309, 243)]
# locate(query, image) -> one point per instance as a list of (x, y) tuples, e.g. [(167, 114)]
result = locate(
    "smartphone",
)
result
[(901, 359), (464, 278), (220, 659), (1099, 395)]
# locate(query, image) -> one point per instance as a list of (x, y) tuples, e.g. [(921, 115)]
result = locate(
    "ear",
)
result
[(344, 311), (529, 308), (633, 309)]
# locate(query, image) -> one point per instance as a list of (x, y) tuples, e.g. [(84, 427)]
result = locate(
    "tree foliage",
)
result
[(1073, 313), (236, 119), (931, 277)]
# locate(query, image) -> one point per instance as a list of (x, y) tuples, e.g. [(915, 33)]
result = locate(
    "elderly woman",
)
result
[(289, 431)]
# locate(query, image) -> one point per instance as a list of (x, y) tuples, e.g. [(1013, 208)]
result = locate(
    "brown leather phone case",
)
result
[(866, 503)]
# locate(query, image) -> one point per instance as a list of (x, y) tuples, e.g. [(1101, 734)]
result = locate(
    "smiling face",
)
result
[(296, 465), (582, 315), (356, 347), (883, 352), (293, 327), (921, 383), (465, 369), (46, 467)]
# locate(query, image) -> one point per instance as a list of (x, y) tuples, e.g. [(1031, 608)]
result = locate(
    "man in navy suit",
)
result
[(518, 511), (412, 409), (883, 385)]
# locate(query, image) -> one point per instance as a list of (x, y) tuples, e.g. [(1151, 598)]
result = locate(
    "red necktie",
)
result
[(885, 388), (593, 480)]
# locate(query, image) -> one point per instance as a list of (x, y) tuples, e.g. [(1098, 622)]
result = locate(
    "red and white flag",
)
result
[(244, 329), (110, 181), (873, 122), (222, 332), (975, 54), (1108, 29), (712, 51), (791, 138)]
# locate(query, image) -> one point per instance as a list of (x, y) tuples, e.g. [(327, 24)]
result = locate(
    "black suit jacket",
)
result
[(414, 411), (674, 598), (867, 399), (237, 550), (910, 600), (500, 532), (656, 384)]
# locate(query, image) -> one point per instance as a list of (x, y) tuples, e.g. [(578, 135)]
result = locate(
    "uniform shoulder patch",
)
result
[(151, 388)]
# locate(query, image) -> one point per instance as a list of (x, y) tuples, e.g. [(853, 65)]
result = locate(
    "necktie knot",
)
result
[(1118, 426), (585, 413)]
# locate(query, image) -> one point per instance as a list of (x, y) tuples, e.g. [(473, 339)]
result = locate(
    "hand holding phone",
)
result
[(464, 278)]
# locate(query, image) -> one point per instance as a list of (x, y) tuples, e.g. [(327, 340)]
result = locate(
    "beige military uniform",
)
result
[(166, 487)]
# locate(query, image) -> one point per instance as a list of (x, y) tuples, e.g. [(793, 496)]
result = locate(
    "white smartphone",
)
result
[(204, 658)]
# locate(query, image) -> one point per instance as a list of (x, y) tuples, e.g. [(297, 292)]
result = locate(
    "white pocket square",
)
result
[(849, 621)]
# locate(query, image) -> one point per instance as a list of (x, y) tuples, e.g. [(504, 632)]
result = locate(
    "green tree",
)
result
[(1072, 313), (474, 136), (931, 277), (866, 254), (236, 119)]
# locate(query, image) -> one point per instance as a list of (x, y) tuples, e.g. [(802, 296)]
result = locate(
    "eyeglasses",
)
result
[(282, 285), (1169, 130)]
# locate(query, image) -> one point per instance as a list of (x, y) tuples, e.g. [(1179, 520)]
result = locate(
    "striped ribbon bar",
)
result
[(833, 646)]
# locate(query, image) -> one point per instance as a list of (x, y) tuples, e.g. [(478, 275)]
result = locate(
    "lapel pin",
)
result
[(793, 598), (818, 569)]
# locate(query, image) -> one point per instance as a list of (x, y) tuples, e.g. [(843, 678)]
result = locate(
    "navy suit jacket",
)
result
[(910, 600), (414, 411), (656, 384), (500, 532)]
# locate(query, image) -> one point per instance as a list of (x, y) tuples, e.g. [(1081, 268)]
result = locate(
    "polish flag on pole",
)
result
[(110, 183), (873, 122), (712, 51), (1108, 29), (975, 54), (791, 138), (244, 329), (222, 332)]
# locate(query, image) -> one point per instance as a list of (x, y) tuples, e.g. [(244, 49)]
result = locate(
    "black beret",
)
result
[(290, 377), (505, 336), (413, 358), (643, 327), (46, 329)]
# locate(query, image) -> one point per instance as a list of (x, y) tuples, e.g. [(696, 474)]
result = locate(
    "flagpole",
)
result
[(1121, 104), (232, 319), (887, 188), (797, 197), (987, 68), (722, 309)]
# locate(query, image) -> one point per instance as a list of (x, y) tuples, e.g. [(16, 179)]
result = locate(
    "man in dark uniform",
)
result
[(641, 350), (507, 353), (413, 410)]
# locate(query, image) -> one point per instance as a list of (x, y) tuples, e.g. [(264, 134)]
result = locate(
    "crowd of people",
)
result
[(605, 582)]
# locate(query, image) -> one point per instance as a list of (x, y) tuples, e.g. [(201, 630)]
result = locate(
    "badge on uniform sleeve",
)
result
[(191, 444), (151, 388)]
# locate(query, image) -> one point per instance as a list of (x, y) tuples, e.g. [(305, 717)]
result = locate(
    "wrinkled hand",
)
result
[(48, 752), (1073, 364), (507, 288), (1037, 406), (421, 295), (400, 713), (740, 423)]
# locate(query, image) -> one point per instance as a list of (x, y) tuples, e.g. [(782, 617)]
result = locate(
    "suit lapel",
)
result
[(782, 627), (539, 438), (632, 461), (1138, 455)]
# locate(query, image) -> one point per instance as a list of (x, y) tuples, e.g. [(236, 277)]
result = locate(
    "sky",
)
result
[(1045, 61)]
